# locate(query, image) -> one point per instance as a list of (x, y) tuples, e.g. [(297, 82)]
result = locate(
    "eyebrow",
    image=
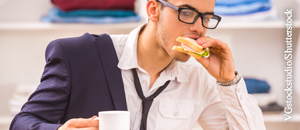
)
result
[(191, 7)]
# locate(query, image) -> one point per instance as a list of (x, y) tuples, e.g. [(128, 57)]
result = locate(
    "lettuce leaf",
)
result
[(205, 54)]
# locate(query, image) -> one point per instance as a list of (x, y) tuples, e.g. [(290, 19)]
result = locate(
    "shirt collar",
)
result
[(128, 59), (174, 71)]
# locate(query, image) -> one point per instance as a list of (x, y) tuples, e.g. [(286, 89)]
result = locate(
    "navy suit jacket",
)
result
[(80, 79)]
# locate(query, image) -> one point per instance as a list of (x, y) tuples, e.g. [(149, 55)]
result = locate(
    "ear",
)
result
[(153, 10)]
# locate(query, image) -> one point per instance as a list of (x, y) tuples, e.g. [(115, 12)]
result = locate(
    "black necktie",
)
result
[(146, 102)]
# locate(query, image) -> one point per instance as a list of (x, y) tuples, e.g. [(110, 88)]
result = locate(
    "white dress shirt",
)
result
[(192, 95)]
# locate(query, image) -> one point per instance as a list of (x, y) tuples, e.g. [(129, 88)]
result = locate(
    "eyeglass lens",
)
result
[(188, 16)]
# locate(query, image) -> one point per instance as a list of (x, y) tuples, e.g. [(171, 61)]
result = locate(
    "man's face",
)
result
[(169, 27)]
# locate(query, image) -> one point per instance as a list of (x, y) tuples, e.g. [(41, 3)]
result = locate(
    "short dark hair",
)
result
[(164, 0), (162, 4)]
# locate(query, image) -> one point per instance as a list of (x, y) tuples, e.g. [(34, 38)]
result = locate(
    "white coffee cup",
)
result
[(114, 120)]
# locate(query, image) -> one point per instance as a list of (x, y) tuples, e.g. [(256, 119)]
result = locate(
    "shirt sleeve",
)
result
[(230, 107)]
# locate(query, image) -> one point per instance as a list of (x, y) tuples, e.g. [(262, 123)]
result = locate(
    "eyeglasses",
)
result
[(190, 16)]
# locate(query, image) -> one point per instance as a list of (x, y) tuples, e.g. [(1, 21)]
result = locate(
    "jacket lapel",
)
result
[(109, 62)]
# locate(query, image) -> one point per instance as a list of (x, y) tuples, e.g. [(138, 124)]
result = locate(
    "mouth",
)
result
[(192, 37)]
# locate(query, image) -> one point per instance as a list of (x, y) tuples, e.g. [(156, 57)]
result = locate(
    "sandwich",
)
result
[(191, 47)]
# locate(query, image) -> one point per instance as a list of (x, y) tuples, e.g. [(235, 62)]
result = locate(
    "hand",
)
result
[(220, 62), (81, 124)]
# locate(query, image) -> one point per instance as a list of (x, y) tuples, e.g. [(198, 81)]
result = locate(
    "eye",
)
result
[(207, 18), (186, 13)]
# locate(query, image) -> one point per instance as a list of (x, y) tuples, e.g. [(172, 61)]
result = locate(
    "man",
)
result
[(207, 90)]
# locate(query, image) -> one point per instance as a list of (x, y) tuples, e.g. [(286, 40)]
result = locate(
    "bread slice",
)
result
[(191, 47), (189, 52), (191, 43)]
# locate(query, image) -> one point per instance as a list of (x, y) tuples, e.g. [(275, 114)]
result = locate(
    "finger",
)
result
[(222, 46), (94, 117), (216, 46), (208, 43), (83, 123), (204, 61), (204, 40), (221, 49), (89, 128)]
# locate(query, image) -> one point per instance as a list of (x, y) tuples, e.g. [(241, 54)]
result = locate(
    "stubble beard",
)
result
[(163, 39)]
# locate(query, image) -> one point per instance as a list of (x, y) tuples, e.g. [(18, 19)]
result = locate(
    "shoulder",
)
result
[(119, 42), (72, 42), (118, 38), (74, 47)]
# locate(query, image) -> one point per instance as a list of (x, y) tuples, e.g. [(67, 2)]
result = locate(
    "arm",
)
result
[(240, 110), (230, 108), (47, 105)]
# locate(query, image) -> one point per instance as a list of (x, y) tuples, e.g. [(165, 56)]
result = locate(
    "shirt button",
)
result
[(249, 120), (241, 97), (175, 113), (238, 89), (144, 81)]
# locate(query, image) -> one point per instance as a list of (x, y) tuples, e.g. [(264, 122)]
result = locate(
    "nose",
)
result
[(197, 26)]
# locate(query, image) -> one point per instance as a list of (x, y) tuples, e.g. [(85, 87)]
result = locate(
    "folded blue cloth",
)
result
[(237, 2), (53, 17), (256, 86), (96, 13), (241, 9)]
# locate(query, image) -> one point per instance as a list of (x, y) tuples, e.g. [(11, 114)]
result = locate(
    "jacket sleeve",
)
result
[(47, 105)]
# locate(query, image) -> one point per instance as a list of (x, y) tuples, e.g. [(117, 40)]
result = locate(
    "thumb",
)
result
[(94, 117), (204, 61)]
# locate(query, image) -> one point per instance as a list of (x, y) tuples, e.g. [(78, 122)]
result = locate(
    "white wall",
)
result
[(23, 10)]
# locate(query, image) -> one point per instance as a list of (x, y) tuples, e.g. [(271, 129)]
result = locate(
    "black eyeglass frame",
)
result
[(195, 19)]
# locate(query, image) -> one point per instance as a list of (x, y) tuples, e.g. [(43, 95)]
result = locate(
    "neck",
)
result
[(150, 54)]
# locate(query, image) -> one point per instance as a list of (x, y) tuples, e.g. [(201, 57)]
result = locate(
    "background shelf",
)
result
[(132, 25)]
